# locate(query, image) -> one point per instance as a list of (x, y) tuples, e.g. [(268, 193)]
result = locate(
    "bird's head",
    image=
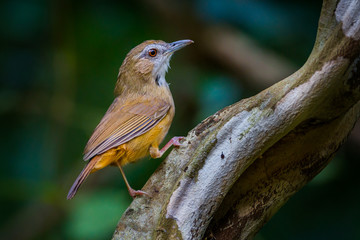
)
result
[(149, 62)]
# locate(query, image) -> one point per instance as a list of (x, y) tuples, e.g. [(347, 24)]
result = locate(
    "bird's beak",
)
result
[(174, 46)]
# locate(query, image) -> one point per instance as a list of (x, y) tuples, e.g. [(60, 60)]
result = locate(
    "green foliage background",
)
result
[(59, 62)]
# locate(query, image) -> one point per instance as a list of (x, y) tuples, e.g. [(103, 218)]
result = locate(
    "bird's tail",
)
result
[(82, 176)]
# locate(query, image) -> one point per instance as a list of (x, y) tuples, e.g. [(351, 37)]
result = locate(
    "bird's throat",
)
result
[(160, 81)]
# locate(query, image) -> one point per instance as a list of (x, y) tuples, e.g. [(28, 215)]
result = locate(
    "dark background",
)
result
[(59, 62)]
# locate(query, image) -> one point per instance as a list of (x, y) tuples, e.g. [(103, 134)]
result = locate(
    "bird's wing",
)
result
[(123, 122)]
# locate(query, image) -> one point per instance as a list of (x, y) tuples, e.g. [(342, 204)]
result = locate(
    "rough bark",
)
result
[(239, 166)]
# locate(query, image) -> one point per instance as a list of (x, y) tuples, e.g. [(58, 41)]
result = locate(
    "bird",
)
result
[(139, 117)]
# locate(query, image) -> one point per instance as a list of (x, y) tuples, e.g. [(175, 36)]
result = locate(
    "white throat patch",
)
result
[(160, 71)]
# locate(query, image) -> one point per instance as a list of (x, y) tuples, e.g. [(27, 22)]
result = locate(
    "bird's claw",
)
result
[(134, 193), (176, 141)]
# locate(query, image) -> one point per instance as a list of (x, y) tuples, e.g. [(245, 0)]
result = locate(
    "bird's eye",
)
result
[(152, 52)]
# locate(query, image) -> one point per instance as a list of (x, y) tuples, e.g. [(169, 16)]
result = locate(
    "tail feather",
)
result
[(81, 178)]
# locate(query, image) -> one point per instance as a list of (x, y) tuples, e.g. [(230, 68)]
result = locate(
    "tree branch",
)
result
[(239, 166)]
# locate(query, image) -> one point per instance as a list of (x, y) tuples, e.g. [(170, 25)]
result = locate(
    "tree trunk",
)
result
[(239, 166)]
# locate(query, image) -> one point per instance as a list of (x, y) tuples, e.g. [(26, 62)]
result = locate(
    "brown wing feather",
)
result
[(123, 122)]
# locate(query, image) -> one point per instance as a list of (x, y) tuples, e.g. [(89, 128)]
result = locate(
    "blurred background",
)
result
[(59, 64)]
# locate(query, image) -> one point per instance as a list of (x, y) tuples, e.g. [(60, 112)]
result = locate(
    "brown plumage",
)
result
[(140, 115)]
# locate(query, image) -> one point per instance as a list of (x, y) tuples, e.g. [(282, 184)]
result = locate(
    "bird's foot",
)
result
[(176, 141), (134, 193)]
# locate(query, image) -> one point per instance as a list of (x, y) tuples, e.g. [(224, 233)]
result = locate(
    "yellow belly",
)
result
[(136, 148)]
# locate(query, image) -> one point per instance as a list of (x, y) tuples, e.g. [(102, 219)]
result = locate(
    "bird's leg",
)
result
[(156, 153), (133, 193)]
